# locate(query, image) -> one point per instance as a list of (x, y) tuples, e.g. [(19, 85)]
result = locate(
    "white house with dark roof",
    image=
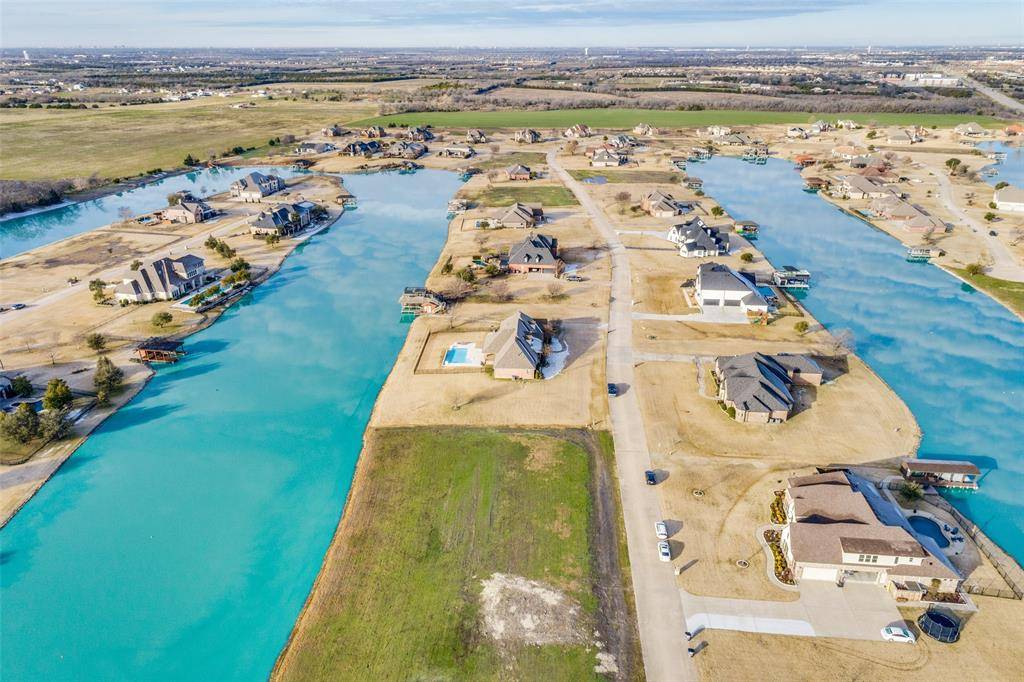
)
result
[(254, 186), (719, 286), (162, 280), (695, 239)]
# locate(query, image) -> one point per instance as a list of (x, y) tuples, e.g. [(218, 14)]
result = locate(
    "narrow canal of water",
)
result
[(181, 540), (20, 234), (955, 356)]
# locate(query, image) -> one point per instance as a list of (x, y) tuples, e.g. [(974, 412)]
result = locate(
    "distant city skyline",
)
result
[(490, 23)]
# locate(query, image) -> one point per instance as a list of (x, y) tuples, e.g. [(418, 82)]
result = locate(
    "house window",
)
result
[(867, 559)]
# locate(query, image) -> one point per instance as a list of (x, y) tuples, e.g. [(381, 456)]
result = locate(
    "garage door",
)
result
[(810, 573)]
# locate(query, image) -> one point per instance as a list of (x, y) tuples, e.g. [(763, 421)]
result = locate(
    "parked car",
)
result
[(17, 306), (650, 477), (613, 390), (573, 278), (664, 551), (661, 530), (894, 633)]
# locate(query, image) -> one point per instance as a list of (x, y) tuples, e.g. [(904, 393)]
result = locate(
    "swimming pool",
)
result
[(925, 526), (457, 356)]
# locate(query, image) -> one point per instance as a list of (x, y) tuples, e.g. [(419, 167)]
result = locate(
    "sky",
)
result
[(501, 23)]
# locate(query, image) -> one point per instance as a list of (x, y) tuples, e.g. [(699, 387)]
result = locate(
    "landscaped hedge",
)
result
[(778, 508), (782, 571)]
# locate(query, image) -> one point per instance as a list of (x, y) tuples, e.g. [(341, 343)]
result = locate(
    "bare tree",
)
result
[(501, 292), (555, 289), (125, 214), (842, 342)]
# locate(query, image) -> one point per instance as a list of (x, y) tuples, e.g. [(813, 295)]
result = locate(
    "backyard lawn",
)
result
[(504, 195), (630, 176), (627, 118), (433, 514)]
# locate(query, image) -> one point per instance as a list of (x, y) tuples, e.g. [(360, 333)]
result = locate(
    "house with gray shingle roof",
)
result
[(536, 255), (660, 204), (719, 286), (189, 210), (520, 215), (162, 280), (514, 349), (695, 239), (254, 186), (527, 136), (759, 386)]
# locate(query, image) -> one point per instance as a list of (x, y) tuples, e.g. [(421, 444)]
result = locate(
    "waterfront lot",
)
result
[(432, 515)]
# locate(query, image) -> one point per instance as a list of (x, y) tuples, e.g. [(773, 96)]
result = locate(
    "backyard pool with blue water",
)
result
[(925, 526)]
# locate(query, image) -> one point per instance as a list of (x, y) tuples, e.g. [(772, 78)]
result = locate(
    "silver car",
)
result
[(664, 551)]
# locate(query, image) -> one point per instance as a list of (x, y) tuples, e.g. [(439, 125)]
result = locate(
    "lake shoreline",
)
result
[(209, 318)]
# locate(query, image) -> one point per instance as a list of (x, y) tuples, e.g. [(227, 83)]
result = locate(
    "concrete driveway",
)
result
[(856, 611)]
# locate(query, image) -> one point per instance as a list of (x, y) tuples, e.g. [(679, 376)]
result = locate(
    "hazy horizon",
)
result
[(486, 24)]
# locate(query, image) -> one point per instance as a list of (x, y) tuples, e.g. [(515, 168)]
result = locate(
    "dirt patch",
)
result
[(543, 452), (560, 526), (514, 609)]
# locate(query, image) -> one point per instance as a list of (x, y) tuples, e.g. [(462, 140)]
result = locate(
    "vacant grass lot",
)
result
[(124, 141), (629, 176), (1009, 292), (627, 118), (503, 195), (433, 513), (528, 159)]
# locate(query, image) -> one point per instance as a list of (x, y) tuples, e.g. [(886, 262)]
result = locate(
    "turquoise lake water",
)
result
[(19, 234), (954, 356), (181, 540)]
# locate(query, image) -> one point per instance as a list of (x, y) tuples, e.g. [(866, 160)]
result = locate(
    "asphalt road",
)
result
[(659, 611)]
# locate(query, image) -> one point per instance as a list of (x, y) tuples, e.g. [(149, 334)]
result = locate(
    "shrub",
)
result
[(20, 426), (990, 216), (466, 275), (447, 268), (778, 508), (717, 211), (21, 386), (96, 341), (492, 270), (1002, 184), (54, 424), (912, 490), (136, 264), (58, 395), (161, 318), (801, 327), (108, 377), (731, 411), (974, 269), (747, 257)]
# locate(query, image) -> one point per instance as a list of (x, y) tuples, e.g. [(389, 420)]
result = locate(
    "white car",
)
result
[(894, 633), (661, 530), (664, 551)]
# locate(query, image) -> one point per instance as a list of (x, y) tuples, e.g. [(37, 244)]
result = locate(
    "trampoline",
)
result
[(940, 625)]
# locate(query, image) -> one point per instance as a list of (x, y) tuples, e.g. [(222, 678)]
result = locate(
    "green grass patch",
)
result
[(1009, 292), (125, 141), (504, 195), (628, 176), (12, 452), (528, 159), (627, 118), (442, 510)]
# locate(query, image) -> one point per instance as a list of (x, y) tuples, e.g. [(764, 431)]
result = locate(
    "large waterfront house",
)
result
[(758, 388), (941, 473), (719, 286), (254, 186), (282, 220), (361, 148), (520, 215), (475, 136), (645, 129), (697, 240), (661, 204), (333, 131), (537, 255), (840, 529), (1009, 198), (718, 131), (901, 136), (162, 280), (314, 148), (860, 187), (513, 350), (911, 217), (374, 132), (461, 151), (526, 136), (518, 172), (621, 141), (189, 210)]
